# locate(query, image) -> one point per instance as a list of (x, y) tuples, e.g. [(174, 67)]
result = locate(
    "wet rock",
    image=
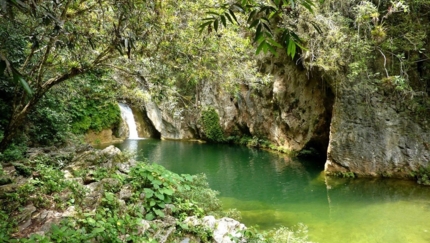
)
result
[(169, 209), (23, 218), (111, 184), (125, 167), (125, 193), (223, 229)]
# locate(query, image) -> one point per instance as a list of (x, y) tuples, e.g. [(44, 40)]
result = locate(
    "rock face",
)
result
[(168, 123), (293, 111), (368, 131), (375, 135), (102, 137), (284, 112)]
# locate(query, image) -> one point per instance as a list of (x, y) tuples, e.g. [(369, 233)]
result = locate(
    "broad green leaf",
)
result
[(260, 47), (17, 78), (223, 20), (159, 213), (91, 221), (148, 192), (152, 203), (98, 230), (213, 13), (254, 23), (216, 25), (149, 216), (274, 43), (25, 85), (258, 33), (162, 205), (159, 195), (167, 191), (156, 182), (272, 49), (251, 15), (291, 50), (229, 17), (232, 15), (267, 28)]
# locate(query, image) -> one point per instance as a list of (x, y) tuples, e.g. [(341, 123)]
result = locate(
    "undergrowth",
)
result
[(154, 195)]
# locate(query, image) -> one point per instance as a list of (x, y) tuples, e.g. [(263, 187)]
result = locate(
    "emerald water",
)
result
[(272, 190)]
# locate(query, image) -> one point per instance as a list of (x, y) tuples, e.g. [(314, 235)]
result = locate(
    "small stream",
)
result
[(272, 190)]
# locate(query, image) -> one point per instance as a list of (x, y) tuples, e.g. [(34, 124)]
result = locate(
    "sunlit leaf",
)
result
[(260, 47), (233, 15)]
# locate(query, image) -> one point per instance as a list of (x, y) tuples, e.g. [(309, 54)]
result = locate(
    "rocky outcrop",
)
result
[(92, 190), (103, 137), (293, 111), (166, 122), (144, 126), (377, 134), (225, 230)]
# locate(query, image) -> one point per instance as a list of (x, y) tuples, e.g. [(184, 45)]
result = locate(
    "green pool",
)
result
[(272, 190)]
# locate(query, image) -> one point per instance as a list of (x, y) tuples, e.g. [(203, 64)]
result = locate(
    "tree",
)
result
[(64, 39), (269, 19)]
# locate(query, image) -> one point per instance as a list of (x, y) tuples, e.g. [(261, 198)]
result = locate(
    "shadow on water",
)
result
[(272, 190)]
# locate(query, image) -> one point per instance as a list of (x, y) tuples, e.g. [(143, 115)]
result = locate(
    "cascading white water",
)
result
[(127, 115)]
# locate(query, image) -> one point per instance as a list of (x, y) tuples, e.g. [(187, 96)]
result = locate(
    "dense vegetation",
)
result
[(64, 65)]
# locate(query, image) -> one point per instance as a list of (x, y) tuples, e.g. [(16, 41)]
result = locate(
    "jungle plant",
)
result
[(268, 18), (211, 126), (62, 41), (422, 175)]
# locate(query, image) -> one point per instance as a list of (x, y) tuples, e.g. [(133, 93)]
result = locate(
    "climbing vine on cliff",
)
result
[(211, 126)]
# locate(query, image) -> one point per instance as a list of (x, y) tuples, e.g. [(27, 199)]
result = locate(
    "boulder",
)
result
[(225, 230)]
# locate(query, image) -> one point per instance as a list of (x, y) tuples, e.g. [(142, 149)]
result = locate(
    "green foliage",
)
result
[(50, 123), (422, 175), (13, 153), (6, 227), (45, 44), (296, 234), (94, 115), (211, 126), (93, 107), (197, 194), (272, 31), (158, 186), (44, 188), (152, 185)]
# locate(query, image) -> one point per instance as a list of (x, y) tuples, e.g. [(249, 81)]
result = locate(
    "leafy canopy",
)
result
[(269, 19)]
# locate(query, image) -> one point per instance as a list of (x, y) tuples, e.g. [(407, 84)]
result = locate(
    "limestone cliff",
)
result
[(360, 96), (377, 134)]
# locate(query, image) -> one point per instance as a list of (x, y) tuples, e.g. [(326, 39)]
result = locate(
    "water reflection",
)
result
[(272, 190)]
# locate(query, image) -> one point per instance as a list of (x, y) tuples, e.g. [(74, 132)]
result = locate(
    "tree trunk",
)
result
[(18, 119)]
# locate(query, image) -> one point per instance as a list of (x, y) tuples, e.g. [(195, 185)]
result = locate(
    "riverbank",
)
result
[(105, 195)]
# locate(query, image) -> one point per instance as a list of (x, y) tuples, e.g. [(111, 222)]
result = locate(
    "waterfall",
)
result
[(127, 115)]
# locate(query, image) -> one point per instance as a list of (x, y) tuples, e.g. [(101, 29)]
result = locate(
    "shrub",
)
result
[(211, 126)]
